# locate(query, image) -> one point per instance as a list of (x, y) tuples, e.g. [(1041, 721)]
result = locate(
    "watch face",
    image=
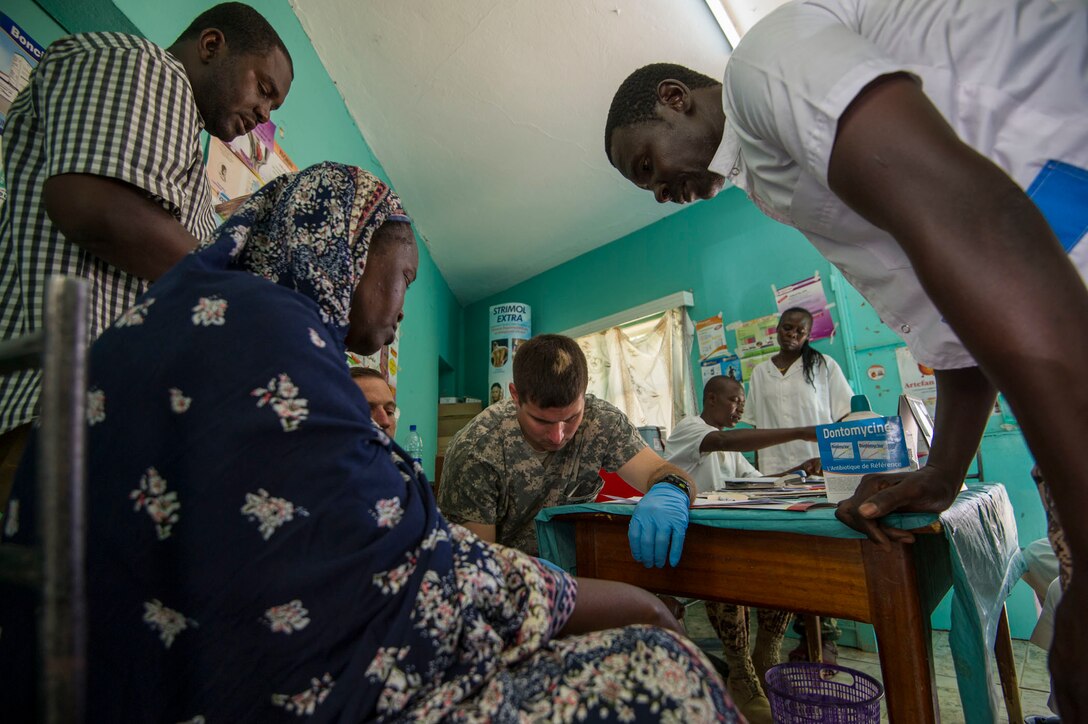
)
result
[(676, 480)]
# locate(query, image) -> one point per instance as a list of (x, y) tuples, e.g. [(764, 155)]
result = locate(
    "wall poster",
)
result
[(509, 325)]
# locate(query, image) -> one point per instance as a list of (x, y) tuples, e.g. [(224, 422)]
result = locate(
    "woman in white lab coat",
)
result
[(798, 387)]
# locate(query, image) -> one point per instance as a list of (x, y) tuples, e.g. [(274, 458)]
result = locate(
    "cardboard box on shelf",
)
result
[(458, 409), (447, 426), (452, 416)]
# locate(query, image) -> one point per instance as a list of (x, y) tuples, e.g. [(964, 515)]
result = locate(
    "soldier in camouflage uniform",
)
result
[(542, 447)]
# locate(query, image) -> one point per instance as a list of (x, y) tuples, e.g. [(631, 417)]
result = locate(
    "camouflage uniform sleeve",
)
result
[(620, 438), (469, 491)]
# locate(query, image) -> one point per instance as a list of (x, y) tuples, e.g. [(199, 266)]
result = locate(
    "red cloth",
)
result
[(614, 486)]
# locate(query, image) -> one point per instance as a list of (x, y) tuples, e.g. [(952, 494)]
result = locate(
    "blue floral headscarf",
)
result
[(311, 232)]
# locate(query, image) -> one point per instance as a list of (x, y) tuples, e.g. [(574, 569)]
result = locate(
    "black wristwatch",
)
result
[(674, 479)]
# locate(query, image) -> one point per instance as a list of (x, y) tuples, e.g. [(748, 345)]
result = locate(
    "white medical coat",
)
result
[(787, 400), (1010, 76)]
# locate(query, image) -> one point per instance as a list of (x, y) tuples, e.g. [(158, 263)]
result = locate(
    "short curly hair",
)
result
[(636, 100), (244, 28), (550, 370)]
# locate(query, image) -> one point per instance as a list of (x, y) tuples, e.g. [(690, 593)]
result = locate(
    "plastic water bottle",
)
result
[(414, 448)]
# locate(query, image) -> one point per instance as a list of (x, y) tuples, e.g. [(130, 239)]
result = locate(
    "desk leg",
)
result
[(1006, 667), (903, 634), (814, 638)]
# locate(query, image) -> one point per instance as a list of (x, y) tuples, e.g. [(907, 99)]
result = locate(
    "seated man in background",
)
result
[(544, 447), (711, 456), (700, 446), (383, 408)]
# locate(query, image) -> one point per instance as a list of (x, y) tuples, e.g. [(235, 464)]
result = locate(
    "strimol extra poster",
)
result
[(509, 325)]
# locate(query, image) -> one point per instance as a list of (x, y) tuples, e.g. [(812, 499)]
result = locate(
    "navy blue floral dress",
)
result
[(260, 551)]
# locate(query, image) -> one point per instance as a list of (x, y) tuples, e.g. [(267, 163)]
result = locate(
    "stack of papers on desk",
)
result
[(763, 500), (799, 502), (787, 481)]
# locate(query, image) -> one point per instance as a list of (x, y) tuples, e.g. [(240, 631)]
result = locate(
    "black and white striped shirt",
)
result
[(105, 104)]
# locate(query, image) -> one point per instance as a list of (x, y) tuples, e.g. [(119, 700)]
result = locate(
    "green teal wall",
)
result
[(721, 250), (317, 127), (728, 254)]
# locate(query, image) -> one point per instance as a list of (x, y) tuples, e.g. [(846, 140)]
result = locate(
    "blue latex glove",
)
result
[(660, 517)]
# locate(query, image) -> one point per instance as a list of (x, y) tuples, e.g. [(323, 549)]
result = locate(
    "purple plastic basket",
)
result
[(803, 692)]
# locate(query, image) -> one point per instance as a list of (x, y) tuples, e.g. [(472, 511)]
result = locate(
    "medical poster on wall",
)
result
[(19, 55), (239, 168), (917, 380), (509, 325), (278, 163), (757, 341), (385, 360), (756, 336), (711, 335), (726, 366), (228, 176), (807, 294), (255, 148)]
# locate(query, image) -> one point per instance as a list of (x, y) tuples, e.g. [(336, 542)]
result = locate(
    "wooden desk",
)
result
[(895, 591)]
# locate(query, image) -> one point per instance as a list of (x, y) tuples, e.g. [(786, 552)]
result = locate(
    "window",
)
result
[(643, 367)]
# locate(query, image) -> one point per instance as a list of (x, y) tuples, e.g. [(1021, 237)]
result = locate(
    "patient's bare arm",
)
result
[(608, 604)]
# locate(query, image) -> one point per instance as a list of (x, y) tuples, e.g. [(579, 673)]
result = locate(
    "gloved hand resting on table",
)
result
[(659, 525)]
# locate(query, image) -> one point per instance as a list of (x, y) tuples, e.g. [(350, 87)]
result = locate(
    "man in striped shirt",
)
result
[(105, 169)]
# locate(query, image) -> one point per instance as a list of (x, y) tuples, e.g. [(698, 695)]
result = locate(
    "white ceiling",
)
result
[(488, 116)]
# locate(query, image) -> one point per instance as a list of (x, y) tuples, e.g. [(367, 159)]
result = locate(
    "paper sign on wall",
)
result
[(728, 366), (808, 294), (756, 336), (510, 325), (228, 176), (19, 55), (711, 335), (385, 360), (917, 380), (256, 147), (920, 381), (278, 163)]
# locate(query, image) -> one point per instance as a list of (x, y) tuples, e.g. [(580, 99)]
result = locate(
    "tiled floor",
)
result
[(1031, 667)]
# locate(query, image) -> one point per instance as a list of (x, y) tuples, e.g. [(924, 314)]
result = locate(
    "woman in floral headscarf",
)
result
[(260, 551)]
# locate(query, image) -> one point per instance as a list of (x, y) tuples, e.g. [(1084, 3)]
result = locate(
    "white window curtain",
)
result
[(644, 368)]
